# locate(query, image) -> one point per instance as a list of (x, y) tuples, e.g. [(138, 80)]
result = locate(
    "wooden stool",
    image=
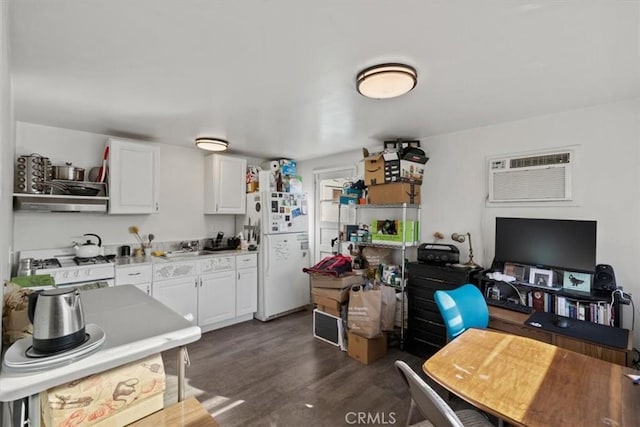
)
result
[(189, 412)]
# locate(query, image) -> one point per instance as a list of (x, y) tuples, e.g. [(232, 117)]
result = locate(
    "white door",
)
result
[(134, 177), (286, 286), (328, 187), (216, 297), (181, 295)]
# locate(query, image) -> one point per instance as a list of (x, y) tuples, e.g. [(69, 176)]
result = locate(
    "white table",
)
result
[(136, 326)]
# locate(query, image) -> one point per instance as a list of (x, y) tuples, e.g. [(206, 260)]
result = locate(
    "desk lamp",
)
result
[(460, 238)]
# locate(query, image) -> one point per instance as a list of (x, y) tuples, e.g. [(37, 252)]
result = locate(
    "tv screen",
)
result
[(547, 243)]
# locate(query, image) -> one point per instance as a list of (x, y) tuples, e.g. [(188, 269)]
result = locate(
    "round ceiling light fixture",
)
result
[(386, 80), (212, 144)]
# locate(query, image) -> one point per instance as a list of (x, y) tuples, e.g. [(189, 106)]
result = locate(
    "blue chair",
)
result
[(462, 308)]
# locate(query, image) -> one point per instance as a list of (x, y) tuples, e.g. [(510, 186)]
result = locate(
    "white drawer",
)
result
[(172, 270), (133, 274), (217, 264), (247, 260)]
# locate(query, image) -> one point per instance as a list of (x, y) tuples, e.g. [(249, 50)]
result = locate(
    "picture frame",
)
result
[(574, 281), (541, 277), (516, 270)]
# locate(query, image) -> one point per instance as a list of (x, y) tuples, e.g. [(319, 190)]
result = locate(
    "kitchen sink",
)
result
[(186, 254)]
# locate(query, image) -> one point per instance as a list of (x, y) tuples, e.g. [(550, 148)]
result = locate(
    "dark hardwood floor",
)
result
[(277, 374)]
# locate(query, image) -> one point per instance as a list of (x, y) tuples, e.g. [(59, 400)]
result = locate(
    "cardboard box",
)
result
[(366, 350), (374, 169), (394, 193), (346, 281), (406, 168), (340, 295), (412, 168), (329, 310), (326, 302), (408, 229)]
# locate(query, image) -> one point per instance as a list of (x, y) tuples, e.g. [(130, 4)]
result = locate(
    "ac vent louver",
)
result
[(550, 159)]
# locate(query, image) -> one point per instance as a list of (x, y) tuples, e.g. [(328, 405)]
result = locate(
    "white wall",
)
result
[(6, 146), (454, 188), (181, 195)]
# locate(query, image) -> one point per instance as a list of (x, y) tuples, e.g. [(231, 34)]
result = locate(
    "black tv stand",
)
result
[(589, 306)]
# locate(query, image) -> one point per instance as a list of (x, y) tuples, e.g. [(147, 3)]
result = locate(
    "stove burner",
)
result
[(39, 264), (100, 259)]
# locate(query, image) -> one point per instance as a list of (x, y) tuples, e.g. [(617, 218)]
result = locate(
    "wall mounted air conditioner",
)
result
[(537, 177)]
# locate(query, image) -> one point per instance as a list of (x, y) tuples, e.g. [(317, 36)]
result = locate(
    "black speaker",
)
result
[(604, 279)]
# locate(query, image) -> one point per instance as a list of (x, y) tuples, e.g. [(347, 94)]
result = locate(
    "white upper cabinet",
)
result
[(134, 177), (225, 185)]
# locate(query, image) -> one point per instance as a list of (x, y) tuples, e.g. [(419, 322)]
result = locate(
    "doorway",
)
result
[(328, 188)]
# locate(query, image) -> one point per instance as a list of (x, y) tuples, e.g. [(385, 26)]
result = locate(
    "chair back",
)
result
[(430, 404), (462, 308)]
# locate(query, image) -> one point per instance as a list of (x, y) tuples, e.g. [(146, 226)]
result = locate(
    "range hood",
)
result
[(59, 203)]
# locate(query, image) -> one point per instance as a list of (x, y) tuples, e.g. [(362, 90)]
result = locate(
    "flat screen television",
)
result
[(547, 243)]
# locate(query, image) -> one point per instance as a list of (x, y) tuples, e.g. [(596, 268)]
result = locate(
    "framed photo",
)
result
[(540, 277), (516, 270), (576, 281)]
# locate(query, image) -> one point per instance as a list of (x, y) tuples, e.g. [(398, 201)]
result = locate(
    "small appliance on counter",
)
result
[(58, 320)]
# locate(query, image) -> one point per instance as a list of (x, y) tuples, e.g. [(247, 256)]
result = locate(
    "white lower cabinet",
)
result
[(216, 298), (247, 284), (139, 275), (175, 284), (214, 292)]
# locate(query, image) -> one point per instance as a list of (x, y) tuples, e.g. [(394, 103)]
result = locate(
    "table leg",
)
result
[(33, 408), (182, 361)]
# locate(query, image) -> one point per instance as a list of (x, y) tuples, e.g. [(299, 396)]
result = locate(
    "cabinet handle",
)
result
[(238, 275), (157, 207), (135, 274), (200, 282), (196, 280)]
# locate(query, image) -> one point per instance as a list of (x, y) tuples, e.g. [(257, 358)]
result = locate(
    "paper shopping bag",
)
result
[(365, 308)]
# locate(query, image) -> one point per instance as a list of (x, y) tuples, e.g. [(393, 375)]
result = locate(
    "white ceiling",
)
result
[(276, 77)]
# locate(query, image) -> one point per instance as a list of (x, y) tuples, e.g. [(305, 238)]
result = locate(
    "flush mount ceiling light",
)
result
[(386, 80), (212, 144)]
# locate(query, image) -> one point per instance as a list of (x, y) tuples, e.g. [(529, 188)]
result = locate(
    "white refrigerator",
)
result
[(279, 224)]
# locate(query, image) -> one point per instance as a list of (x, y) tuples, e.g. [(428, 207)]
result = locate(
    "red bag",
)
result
[(335, 265)]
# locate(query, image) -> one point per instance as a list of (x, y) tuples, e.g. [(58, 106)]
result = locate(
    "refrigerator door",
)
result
[(285, 213), (284, 287)]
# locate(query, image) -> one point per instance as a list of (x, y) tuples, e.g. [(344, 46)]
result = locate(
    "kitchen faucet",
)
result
[(192, 246)]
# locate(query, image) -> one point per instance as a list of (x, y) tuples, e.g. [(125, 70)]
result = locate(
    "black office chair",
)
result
[(433, 407)]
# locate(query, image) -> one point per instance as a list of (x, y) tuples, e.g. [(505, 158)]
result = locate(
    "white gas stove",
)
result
[(67, 269)]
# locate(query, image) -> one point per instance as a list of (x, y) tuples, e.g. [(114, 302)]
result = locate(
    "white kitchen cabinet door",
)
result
[(247, 291), (181, 295), (134, 177), (225, 185), (216, 297), (246, 284)]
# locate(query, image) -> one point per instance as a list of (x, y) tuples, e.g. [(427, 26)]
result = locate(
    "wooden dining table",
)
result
[(531, 383)]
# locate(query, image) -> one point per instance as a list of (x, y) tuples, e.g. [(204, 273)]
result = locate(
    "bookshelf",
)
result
[(590, 306)]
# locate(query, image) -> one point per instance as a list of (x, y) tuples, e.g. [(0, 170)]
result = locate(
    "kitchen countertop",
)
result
[(131, 260)]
